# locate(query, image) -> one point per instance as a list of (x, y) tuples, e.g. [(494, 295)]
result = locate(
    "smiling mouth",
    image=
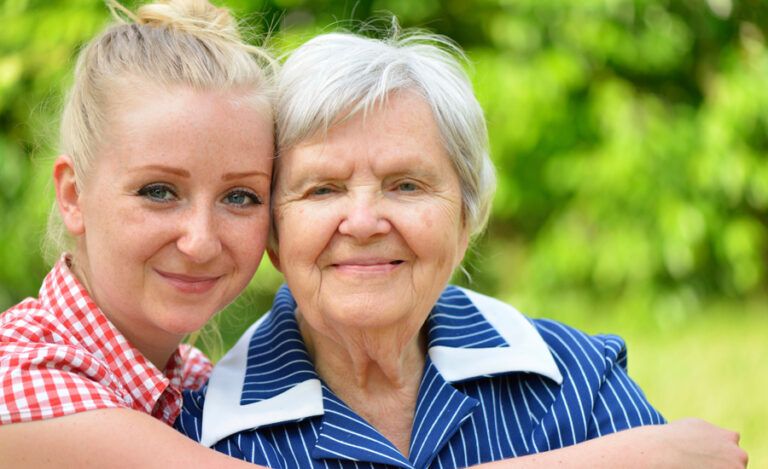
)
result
[(368, 266), (188, 283)]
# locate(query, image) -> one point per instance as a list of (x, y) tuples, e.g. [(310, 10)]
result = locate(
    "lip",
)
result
[(368, 265), (189, 283)]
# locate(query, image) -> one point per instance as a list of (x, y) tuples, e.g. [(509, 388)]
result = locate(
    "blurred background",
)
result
[(631, 141)]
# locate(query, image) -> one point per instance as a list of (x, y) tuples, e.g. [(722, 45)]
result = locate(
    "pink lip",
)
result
[(189, 283), (367, 265)]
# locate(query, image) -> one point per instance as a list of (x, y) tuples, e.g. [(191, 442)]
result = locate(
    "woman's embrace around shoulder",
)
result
[(367, 358)]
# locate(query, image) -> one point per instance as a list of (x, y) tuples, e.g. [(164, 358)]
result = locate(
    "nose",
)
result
[(364, 217), (199, 239)]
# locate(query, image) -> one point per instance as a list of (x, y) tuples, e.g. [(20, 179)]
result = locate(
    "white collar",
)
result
[(527, 351), (223, 415)]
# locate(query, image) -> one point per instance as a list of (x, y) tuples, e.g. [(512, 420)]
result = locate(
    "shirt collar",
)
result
[(268, 377), (63, 294), (472, 335)]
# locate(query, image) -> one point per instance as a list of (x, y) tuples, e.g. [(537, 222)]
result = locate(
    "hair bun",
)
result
[(191, 16)]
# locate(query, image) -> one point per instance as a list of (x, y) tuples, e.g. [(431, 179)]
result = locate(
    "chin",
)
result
[(370, 314), (185, 322)]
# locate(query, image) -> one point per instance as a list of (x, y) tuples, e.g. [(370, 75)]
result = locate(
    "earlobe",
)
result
[(463, 246), (68, 195)]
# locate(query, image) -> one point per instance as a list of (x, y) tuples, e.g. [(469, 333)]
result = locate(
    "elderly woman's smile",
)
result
[(363, 265), (369, 219)]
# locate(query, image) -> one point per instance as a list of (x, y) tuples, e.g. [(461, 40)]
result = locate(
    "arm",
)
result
[(685, 443), (105, 438)]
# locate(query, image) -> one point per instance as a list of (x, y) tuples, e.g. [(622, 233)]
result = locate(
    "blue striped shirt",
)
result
[(495, 385)]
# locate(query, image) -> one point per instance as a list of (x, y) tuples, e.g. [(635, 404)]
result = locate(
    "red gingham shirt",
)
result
[(59, 355)]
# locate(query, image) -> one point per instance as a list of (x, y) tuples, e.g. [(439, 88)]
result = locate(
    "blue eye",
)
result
[(322, 190), (407, 187), (157, 192), (242, 198)]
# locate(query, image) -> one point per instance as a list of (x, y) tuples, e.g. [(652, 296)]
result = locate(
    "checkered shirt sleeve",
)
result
[(40, 380), (59, 355)]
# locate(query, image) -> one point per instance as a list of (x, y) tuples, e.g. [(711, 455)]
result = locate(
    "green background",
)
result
[(631, 141)]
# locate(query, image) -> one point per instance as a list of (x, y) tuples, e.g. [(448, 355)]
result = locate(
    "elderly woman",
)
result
[(367, 358)]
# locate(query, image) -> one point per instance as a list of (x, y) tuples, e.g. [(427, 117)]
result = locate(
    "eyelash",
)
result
[(147, 192), (255, 199), (415, 186)]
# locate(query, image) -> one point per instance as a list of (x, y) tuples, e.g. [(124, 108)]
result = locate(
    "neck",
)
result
[(157, 350), (376, 373)]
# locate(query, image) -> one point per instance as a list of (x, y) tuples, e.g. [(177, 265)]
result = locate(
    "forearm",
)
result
[(681, 444), (616, 450), (114, 438)]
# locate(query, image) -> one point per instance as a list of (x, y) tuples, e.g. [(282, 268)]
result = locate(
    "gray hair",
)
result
[(335, 76)]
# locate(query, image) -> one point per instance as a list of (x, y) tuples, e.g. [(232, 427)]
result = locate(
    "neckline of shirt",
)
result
[(516, 346), (143, 383)]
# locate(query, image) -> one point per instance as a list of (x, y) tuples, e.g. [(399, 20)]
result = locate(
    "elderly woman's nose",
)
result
[(199, 238), (364, 217)]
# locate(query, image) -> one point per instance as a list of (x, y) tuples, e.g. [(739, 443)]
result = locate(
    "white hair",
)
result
[(335, 76)]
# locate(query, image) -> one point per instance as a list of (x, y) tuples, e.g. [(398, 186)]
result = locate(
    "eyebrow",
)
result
[(165, 169), (186, 174), (245, 174)]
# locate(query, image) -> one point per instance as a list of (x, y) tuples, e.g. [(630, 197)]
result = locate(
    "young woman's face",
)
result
[(175, 211)]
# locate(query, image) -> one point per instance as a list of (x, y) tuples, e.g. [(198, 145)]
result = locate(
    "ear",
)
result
[(274, 257), (68, 195), (463, 243)]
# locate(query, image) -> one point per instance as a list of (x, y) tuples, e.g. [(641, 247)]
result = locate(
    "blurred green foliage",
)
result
[(630, 137)]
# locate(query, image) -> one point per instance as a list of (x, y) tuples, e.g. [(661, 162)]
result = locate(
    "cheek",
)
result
[(122, 232), (304, 232), (431, 226), (247, 237)]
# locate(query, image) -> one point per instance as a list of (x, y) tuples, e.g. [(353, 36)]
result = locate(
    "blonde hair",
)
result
[(167, 43)]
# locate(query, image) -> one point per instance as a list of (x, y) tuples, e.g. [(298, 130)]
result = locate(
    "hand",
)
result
[(693, 443)]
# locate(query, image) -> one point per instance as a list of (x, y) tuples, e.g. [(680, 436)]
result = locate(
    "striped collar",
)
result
[(268, 377)]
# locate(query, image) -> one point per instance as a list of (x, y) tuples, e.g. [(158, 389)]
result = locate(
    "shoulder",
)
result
[(29, 321), (572, 346), (44, 371)]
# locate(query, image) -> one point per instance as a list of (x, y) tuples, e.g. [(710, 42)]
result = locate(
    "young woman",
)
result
[(162, 190)]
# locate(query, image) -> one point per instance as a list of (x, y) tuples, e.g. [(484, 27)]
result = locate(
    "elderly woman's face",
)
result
[(369, 218)]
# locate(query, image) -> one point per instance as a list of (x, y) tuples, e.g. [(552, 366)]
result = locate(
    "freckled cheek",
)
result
[(134, 232), (429, 219), (245, 237)]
